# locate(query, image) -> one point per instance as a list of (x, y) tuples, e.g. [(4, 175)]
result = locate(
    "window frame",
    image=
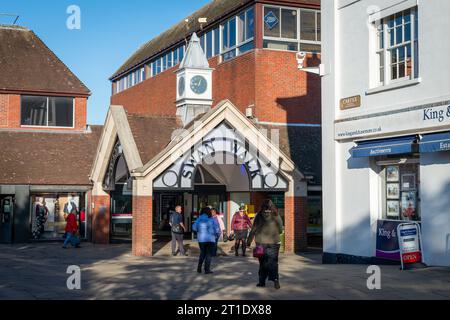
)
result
[(46, 114), (384, 54), (298, 39), (238, 44)]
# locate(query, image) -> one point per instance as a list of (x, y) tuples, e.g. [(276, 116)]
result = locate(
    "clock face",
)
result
[(199, 84), (181, 85)]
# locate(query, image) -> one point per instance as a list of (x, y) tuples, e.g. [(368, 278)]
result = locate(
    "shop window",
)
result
[(281, 29), (397, 47), (47, 111), (401, 196), (48, 212)]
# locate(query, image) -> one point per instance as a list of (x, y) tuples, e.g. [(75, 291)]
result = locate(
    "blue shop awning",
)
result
[(435, 142), (383, 147)]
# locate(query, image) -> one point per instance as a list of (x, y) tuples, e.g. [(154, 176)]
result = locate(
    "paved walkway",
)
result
[(38, 271)]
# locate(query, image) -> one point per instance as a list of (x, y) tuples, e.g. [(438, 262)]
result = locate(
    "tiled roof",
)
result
[(213, 11), (27, 64), (47, 158), (151, 133)]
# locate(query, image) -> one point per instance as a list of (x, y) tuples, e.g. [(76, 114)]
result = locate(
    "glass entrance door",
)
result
[(213, 200)]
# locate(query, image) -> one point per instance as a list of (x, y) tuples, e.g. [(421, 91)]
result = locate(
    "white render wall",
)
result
[(351, 187), (435, 206)]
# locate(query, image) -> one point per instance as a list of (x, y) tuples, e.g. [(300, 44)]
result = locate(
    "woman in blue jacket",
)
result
[(207, 230)]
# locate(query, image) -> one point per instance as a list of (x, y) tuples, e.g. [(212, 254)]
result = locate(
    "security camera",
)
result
[(301, 56)]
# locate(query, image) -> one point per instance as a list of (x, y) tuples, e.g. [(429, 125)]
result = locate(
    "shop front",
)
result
[(223, 161), (398, 173)]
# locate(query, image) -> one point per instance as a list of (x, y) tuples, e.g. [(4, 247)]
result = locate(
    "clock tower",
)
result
[(194, 83)]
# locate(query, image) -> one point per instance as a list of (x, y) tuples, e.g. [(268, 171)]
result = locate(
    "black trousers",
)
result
[(240, 236), (206, 252), (268, 263)]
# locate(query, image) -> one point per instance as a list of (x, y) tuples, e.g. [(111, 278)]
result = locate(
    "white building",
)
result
[(386, 126)]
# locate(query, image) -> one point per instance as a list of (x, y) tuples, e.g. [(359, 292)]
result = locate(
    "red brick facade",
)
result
[(296, 222), (10, 113), (101, 219), (269, 80), (142, 226)]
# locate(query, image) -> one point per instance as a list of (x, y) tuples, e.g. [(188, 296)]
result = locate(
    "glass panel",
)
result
[(398, 19), (309, 47), (169, 60), (246, 47), (241, 27), (408, 32), (225, 41), (394, 72), (209, 44), (158, 66), (164, 65), (34, 111), (181, 53), (291, 46), (289, 24), (60, 112), (401, 70), (216, 41), (307, 25), (319, 27), (399, 35), (271, 22), (229, 55), (394, 56), (202, 42), (250, 24), (175, 57), (232, 32)]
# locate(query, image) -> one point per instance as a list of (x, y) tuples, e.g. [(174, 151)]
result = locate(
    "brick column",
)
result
[(142, 226), (296, 221), (100, 218)]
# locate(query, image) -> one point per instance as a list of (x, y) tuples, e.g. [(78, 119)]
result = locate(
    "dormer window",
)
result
[(44, 111)]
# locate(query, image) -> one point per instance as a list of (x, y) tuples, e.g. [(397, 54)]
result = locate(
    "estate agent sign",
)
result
[(427, 117)]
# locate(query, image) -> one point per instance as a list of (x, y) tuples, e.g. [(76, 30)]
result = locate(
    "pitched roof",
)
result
[(47, 158), (151, 133), (213, 11), (27, 64)]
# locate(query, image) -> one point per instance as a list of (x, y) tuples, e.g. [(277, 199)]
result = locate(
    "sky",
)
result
[(111, 31)]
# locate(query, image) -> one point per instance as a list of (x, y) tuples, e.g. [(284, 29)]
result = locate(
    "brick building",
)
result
[(47, 147), (179, 94)]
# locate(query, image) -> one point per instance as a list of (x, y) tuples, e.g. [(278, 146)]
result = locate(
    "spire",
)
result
[(194, 57)]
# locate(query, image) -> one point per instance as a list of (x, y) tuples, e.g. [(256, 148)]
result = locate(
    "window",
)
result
[(237, 34), (401, 191), (397, 54), (209, 44), (216, 41), (281, 29), (47, 111)]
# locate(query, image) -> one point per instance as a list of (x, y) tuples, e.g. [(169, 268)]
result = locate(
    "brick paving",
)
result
[(38, 271)]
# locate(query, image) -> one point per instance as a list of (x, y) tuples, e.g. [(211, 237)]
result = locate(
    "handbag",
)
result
[(258, 252), (225, 237), (177, 229), (231, 237)]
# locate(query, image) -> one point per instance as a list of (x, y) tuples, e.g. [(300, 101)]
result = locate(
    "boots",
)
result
[(244, 248), (199, 268), (236, 248)]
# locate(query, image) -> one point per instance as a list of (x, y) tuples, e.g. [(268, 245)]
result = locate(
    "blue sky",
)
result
[(110, 32)]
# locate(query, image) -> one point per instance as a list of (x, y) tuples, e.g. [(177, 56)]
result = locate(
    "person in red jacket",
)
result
[(240, 225), (72, 230)]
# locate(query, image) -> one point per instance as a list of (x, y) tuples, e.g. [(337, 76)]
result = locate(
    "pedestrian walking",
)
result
[(72, 230), (177, 230), (240, 225), (266, 230), (207, 231), (216, 216)]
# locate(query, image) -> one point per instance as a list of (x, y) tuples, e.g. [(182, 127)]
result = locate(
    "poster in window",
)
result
[(409, 205), (393, 191), (393, 209), (392, 173), (409, 182)]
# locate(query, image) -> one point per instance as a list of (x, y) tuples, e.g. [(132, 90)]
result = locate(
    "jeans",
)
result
[(268, 263), (73, 239), (177, 238), (206, 251)]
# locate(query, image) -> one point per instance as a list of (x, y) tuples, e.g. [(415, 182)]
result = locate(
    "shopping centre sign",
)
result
[(404, 121)]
